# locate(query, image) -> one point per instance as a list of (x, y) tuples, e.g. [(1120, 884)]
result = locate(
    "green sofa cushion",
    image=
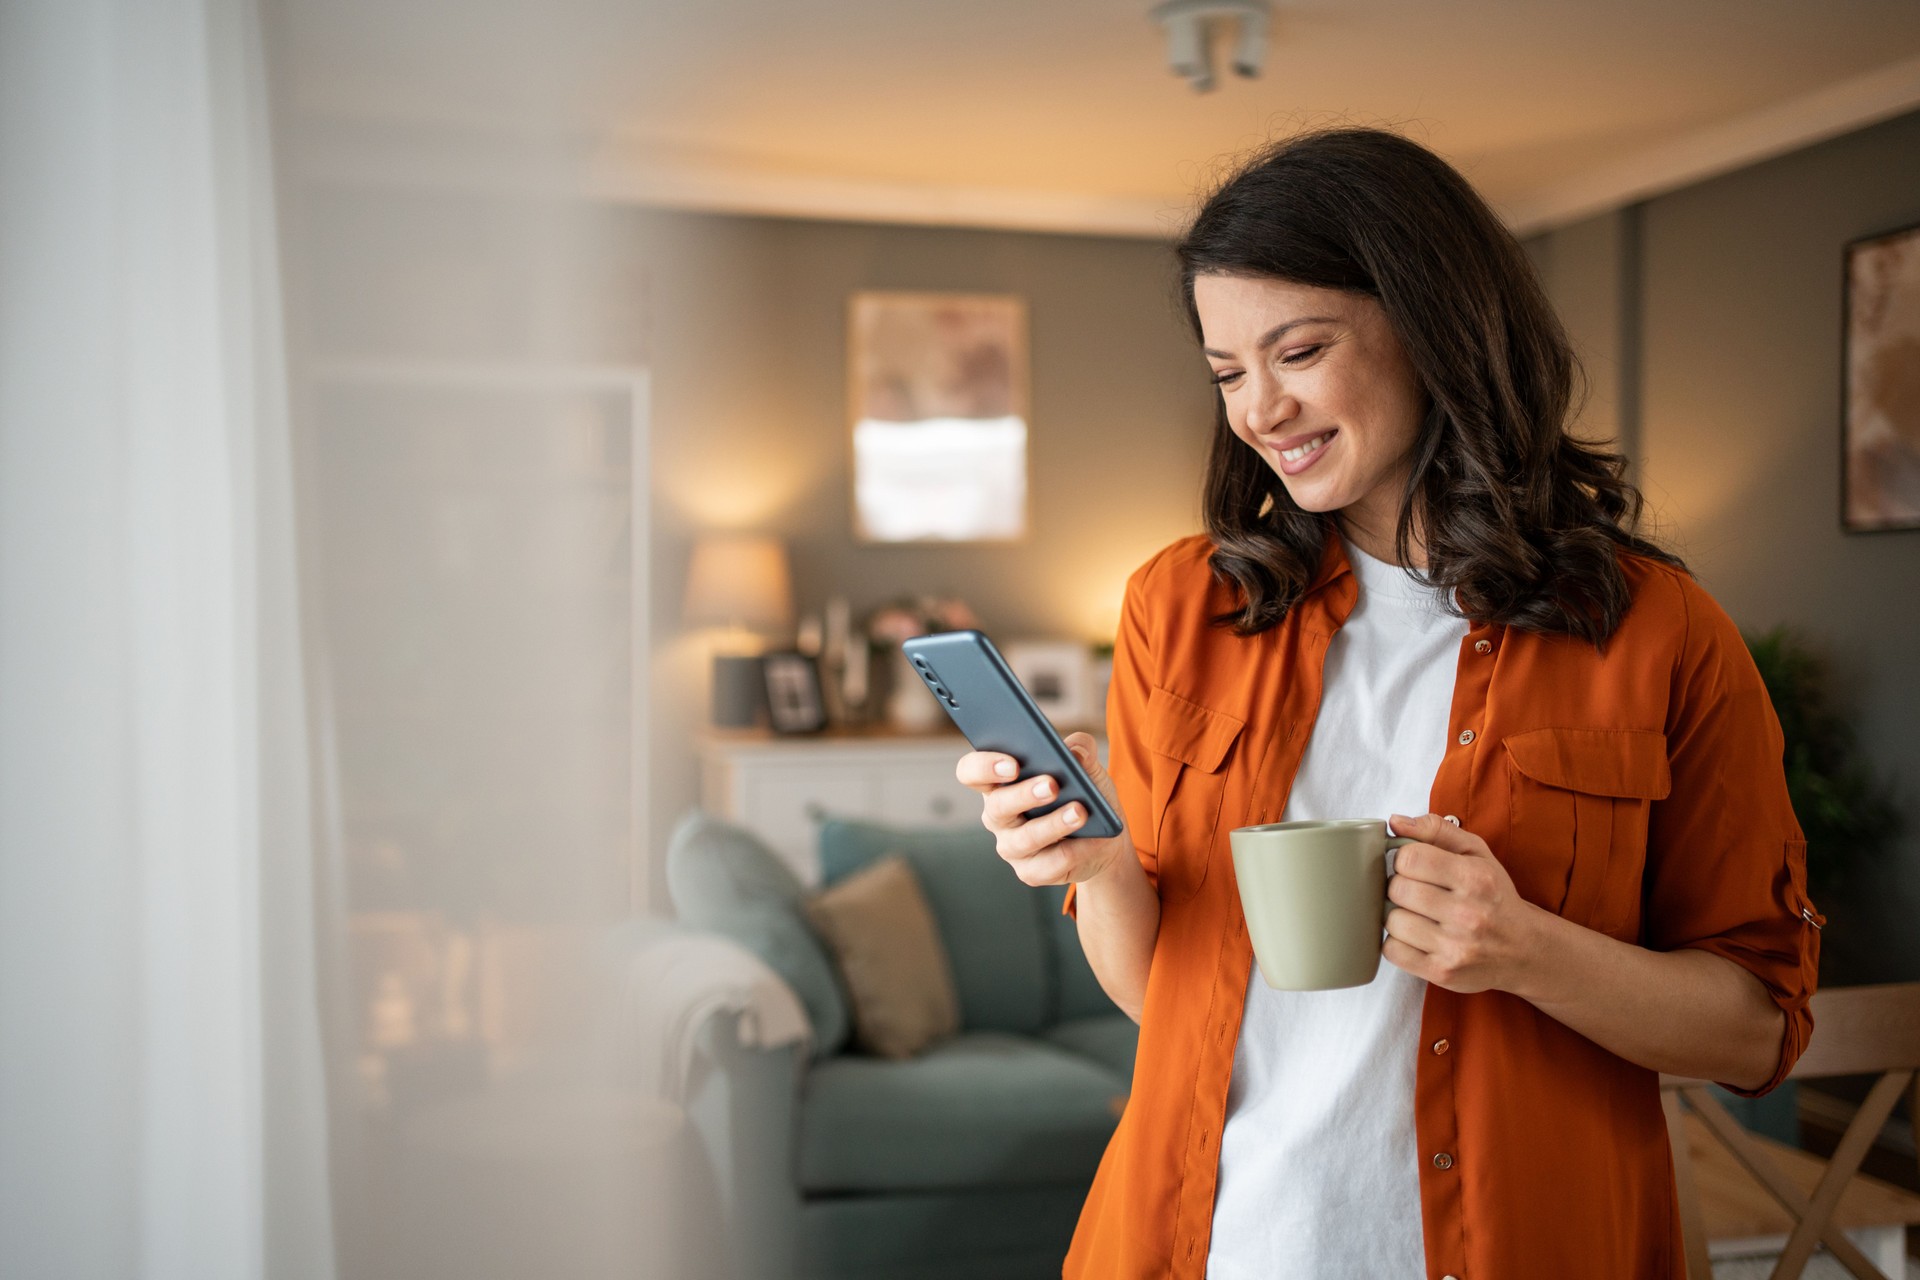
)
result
[(983, 1109), (1076, 992), (1110, 1039), (1005, 1233), (722, 877), (987, 917)]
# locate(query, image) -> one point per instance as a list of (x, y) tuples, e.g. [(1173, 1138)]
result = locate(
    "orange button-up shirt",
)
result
[(1640, 793)]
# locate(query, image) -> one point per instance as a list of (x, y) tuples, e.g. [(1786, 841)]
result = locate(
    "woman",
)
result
[(1418, 595)]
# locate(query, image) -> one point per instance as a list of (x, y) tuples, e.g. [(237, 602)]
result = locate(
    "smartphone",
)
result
[(996, 713)]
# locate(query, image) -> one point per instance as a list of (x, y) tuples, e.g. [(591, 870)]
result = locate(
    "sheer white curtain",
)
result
[(161, 1102)]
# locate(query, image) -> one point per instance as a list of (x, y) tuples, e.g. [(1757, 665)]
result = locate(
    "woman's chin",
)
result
[(1316, 498)]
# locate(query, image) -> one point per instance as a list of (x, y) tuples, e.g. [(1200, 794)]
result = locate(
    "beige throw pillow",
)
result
[(879, 928)]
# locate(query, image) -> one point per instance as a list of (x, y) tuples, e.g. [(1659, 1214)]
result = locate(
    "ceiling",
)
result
[(1061, 114)]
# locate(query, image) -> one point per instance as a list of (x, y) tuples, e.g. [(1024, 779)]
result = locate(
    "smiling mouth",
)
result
[(1319, 441)]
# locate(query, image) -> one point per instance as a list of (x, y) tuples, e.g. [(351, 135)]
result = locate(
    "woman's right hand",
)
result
[(1038, 848)]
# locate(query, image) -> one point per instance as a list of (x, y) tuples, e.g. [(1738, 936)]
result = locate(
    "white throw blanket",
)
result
[(677, 979)]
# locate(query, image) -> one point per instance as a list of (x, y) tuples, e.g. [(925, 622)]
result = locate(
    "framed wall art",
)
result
[(1880, 381), (937, 395)]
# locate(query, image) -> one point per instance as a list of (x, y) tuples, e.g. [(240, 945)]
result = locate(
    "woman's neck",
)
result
[(1379, 544)]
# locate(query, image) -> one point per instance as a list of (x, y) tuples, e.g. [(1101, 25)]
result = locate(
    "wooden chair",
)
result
[(1857, 1031)]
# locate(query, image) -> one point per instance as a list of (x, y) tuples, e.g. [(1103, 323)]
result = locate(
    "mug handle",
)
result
[(1393, 842)]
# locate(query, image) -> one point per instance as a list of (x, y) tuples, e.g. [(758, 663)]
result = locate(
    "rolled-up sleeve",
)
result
[(1726, 858), (1127, 695)]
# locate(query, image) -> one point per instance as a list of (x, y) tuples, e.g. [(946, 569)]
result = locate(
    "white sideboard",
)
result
[(779, 788)]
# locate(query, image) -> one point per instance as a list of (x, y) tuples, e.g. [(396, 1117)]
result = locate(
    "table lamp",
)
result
[(740, 582)]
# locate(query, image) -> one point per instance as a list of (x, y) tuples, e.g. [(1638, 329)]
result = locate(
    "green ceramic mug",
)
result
[(1315, 898)]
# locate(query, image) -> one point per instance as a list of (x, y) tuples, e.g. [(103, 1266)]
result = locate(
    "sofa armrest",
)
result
[(673, 983), (744, 1108), (707, 1024)]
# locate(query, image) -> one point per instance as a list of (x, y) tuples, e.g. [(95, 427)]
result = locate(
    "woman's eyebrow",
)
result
[(1273, 335)]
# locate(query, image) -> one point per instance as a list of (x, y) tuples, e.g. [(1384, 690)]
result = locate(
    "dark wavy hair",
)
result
[(1518, 516)]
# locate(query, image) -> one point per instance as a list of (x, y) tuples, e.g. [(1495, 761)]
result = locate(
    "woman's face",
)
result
[(1315, 381)]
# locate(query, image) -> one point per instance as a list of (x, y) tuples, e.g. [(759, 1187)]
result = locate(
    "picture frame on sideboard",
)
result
[(795, 704)]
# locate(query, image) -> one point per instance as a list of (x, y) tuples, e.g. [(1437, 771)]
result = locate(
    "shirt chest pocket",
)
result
[(1190, 748), (1578, 801)]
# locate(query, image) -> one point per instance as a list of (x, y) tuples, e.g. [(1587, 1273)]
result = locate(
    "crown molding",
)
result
[(1688, 158), (630, 173), (716, 189), (1733, 144), (337, 151)]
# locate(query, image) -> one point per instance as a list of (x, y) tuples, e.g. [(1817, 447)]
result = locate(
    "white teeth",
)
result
[(1294, 455)]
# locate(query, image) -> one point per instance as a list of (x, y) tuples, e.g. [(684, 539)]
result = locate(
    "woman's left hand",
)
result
[(1457, 920)]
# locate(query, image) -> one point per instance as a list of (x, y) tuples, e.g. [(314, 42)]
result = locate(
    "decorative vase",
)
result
[(910, 704)]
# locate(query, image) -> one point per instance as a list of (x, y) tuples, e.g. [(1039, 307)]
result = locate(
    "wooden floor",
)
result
[(1822, 1267), (1737, 1208)]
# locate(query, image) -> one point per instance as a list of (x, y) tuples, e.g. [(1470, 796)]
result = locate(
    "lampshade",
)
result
[(739, 580)]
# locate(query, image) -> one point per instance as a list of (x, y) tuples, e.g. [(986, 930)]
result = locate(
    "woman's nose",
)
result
[(1269, 406)]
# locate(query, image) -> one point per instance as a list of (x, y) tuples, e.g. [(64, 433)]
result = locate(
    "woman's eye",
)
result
[(1304, 352), (1222, 379)]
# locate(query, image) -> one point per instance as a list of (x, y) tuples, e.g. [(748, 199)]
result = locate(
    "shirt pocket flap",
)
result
[(1604, 762), (1188, 732)]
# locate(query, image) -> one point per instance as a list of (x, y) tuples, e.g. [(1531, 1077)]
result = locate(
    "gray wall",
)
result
[(1587, 271), (748, 348), (1709, 319), (1733, 351)]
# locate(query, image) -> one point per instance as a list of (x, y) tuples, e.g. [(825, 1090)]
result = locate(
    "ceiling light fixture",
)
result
[(1190, 25)]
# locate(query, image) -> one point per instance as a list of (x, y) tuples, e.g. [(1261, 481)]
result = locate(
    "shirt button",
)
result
[(1443, 1161), (1450, 818), (1483, 646), (1466, 736), (1441, 1046)]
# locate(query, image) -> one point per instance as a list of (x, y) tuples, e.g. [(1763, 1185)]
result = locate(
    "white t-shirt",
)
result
[(1319, 1175)]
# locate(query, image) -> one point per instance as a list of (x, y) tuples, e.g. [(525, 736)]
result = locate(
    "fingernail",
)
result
[(1041, 788), (1006, 768), (1073, 816)]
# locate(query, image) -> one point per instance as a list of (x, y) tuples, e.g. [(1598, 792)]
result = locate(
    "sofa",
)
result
[(970, 1159)]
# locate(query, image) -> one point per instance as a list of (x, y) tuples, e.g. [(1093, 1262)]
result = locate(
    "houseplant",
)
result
[(1844, 811), (1848, 818)]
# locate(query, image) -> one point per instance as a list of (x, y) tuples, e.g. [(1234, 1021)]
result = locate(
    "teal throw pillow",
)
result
[(724, 878)]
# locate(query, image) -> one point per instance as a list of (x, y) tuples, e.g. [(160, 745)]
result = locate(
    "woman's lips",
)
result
[(1294, 466)]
